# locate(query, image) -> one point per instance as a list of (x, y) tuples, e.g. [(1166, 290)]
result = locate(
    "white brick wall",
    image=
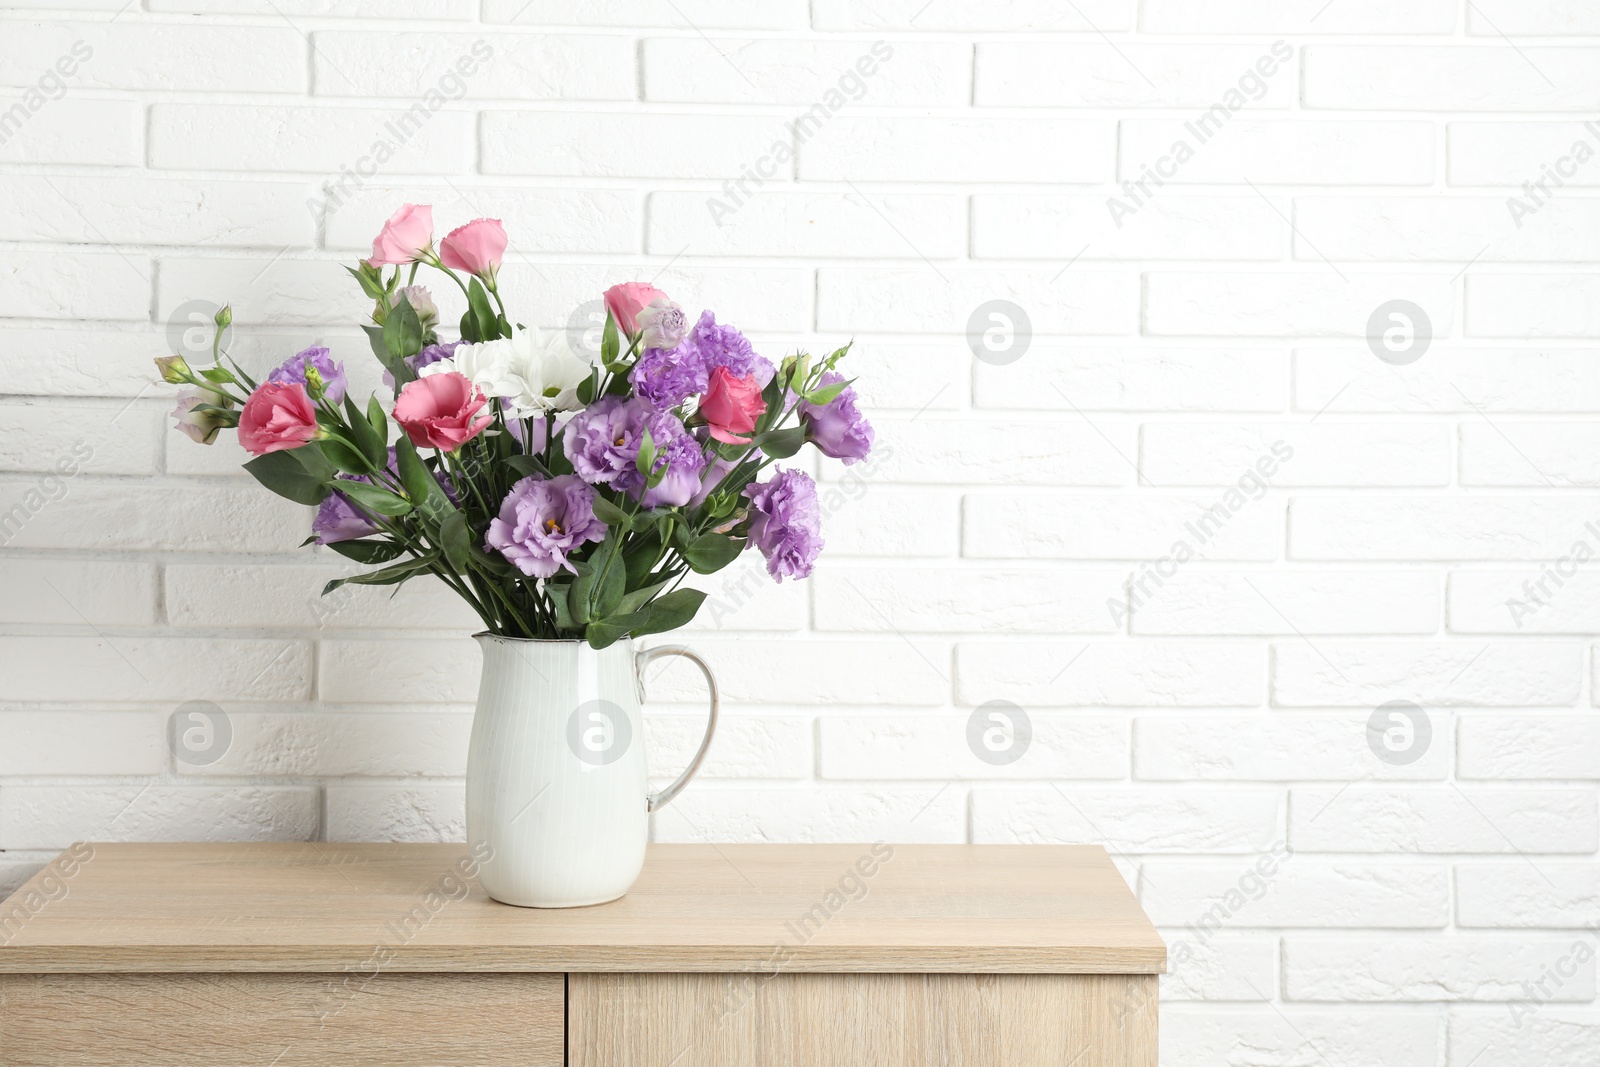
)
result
[(1197, 529)]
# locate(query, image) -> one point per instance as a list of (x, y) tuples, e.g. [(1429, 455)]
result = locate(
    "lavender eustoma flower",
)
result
[(669, 376), (724, 346), (293, 370), (838, 428), (542, 522), (602, 443), (786, 523), (339, 519), (680, 459)]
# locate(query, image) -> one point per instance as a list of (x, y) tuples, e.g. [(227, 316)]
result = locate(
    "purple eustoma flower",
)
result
[(837, 428), (542, 522), (680, 459), (338, 518), (724, 346), (602, 440), (786, 523), (293, 370), (669, 376), (602, 443)]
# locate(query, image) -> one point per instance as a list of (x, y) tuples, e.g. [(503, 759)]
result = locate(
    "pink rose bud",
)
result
[(442, 411), (404, 237), (731, 406), (477, 248), (277, 416), (625, 301)]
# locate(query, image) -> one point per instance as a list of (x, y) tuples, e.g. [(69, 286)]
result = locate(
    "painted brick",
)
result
[(75, 285), (1302, 892), (150, 56), (1528, 893), (1534, 454), (890, 814), (1094, 227), (1439, 78), (1131, 819), (964, 599), (77, 591), (82, 742), (1471, 673), (263, 137), (1412, 968), (1146, 526), (1138, 379), (72, 130), (809, 225), (924, 298), (1371, 454), (1222, 145), (1529, 746), (454, 66), (940, 149), (430, 811), (711, 14), (936, 746), (1511, 153), (1434, 528), (874, 73), (605, 145), (1289, 603), (1533, 305), (164, 669), (42, 511), (1052, 74), (1298, 747), (1557, 1036), (1448, 380), (1297, 17), (1301, 304), (1270, 1036), (1424, 819), (52, 817), (1140, 674)]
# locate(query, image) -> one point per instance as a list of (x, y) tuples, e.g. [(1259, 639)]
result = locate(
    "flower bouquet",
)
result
[(559, 498), (565, 500)]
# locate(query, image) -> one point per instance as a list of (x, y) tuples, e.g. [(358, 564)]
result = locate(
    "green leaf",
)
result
[(828, 392), (456, 538), (345, 458), (711, 552), (364, 551), (421, 486), (369, 280), (372, 498), (485, 323), (559, 593), (600, 585), (402, 334), (587, 387), (372, 445), (388, 576), (675, 609), (610, 514), (287, 476), (610, 631), (378, 421), (781, 444), (639, 597), (315, 461), (644, 462), (641, 556), (528, 466), (610, 343)]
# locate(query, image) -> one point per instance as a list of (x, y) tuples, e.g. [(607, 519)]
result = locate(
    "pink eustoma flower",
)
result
[(477, 248), (277, 416), (625, 301), (404, 237), (731, 406), (442, 411)]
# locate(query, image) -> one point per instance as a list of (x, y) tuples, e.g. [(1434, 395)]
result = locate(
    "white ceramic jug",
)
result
[(556, 780)]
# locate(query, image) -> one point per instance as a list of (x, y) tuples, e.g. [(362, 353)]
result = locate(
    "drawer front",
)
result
[(887, 1020), (304, 1020)]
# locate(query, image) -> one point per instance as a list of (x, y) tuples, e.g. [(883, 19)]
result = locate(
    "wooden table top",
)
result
[(300, 906)]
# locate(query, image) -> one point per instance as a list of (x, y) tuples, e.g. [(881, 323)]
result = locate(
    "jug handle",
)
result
[(657, 801)]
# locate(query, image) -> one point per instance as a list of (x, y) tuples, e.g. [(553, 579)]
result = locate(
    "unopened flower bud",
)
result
[(174, 370), (224, 317)]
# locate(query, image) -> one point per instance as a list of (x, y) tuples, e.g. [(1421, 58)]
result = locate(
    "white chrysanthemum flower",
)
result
[(534, 372)]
